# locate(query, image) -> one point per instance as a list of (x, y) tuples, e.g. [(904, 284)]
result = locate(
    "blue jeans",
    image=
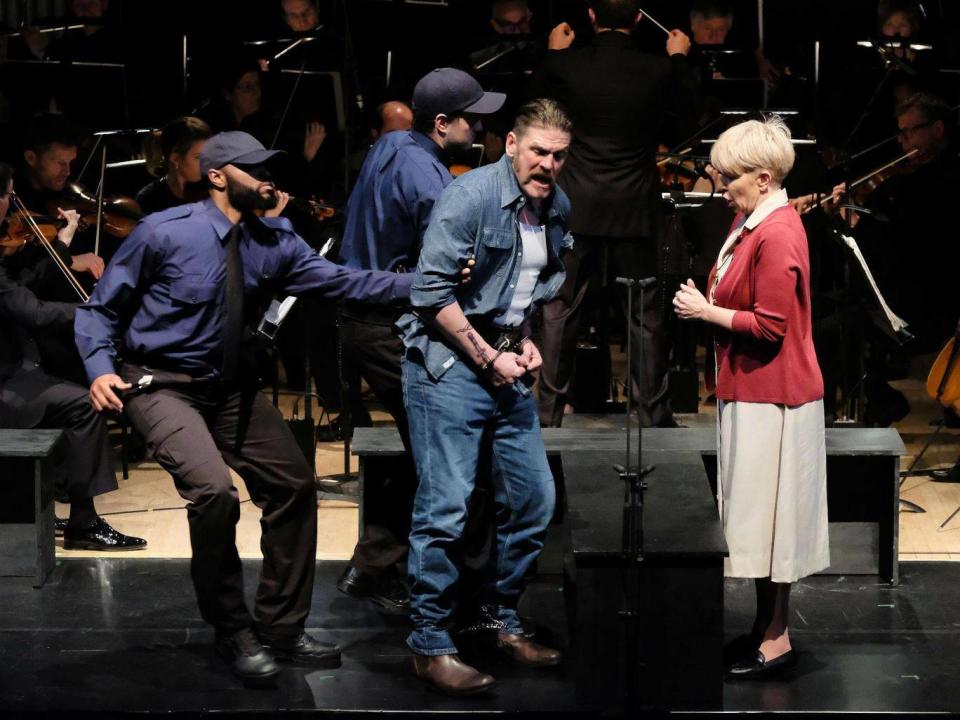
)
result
[(448, 418)]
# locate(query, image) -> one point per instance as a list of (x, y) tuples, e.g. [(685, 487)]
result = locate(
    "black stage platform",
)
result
[(107, 637)]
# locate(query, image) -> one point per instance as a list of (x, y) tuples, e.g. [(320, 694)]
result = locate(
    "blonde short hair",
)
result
[(755, 145)]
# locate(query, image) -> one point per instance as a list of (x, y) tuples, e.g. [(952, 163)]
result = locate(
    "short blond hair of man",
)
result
[(755, 145)]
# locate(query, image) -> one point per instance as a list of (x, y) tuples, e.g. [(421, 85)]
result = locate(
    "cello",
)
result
[(943, 381)]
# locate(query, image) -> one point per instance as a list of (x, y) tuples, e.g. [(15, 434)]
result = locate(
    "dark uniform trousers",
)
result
[(32, 399), (563, 319), (196, 431), (371, 347)]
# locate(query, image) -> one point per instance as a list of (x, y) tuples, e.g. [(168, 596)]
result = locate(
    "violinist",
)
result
[(387, 216), (901, 235), (32, 398), (50, 148), (909, 213), (622, 102), (180, 142)]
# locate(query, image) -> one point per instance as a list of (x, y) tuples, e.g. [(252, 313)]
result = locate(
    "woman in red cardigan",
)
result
[(772, 490)]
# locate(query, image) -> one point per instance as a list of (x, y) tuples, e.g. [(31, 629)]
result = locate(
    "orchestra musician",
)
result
[(180, 144), (31, 397), (49, 149)]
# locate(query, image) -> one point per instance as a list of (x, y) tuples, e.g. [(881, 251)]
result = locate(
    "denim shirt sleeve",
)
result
[(447, 245), (98, 324)]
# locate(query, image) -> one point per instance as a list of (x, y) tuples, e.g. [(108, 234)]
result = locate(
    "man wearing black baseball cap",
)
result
[(173, 297), (387, 215)]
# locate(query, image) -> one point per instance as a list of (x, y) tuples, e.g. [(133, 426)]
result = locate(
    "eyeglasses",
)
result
[(910, 130), (516, 27)]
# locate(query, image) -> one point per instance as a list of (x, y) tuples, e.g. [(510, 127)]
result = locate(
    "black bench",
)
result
[(26, 503), (863, 466)]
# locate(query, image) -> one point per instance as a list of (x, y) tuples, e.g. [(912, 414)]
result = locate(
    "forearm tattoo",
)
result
[(472, 339)]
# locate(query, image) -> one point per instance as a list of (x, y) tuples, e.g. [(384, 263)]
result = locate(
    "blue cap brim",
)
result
[(257, 157), (488, 103)]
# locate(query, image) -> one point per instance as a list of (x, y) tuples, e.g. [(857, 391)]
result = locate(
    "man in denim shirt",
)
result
[(465, 378)]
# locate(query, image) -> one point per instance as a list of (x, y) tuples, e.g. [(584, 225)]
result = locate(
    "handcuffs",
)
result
[(504, 343)]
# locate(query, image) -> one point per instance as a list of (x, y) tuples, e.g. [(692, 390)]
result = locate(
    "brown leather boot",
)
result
[(450, 675), (526, 652)]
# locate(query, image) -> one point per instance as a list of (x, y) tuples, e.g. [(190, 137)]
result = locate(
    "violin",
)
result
[(18, 231), (943, 381), (316, 209), (118, 217), (23, 223), (860, 189), (680, 171)]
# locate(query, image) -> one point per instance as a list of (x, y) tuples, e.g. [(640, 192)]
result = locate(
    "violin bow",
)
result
[(28, 220)]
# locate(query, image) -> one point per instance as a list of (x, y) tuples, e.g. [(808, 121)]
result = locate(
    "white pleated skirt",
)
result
[(772, 489)]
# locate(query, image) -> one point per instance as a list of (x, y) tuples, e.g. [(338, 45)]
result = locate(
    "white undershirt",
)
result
[(533, 258)]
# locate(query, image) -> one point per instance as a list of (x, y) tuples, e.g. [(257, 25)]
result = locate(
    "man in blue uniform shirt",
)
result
[(173, 299), (387, 215)]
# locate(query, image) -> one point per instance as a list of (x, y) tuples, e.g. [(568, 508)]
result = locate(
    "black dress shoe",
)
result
[(100, 536), (249, 659), (303, 650), (59, 526), (384, 590), (758, 668)]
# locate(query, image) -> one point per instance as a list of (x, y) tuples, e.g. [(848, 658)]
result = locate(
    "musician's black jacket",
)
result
[(622, 102)]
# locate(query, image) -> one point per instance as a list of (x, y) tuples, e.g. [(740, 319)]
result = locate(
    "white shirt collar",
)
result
[(774, 202)]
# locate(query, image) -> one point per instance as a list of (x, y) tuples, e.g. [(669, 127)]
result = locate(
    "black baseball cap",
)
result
[(446, 91), (233, 148)]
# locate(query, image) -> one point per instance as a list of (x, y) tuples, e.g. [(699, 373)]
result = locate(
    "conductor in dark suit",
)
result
[(622, 102)]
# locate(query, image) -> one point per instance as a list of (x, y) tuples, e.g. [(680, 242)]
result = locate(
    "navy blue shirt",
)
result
[(389, 208), (162, 295)]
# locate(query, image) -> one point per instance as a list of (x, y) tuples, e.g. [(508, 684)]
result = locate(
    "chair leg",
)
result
[(124, 464)]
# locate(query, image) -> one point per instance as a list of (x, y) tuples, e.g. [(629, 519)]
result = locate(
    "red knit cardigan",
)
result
[(768, 357)]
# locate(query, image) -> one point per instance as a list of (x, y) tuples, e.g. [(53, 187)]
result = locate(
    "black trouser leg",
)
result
[(374, 350), (175, 427), (637, 258), (560, 328), (42, 401), (258, 445), (88, 468)]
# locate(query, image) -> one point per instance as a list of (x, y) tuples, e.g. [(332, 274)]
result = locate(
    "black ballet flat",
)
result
[(741, 647), (758, 667)]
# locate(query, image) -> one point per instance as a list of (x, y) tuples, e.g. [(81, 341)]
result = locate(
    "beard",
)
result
[(247, 199)]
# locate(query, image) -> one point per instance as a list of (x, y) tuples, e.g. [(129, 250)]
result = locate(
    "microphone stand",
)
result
[(632, 535)]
